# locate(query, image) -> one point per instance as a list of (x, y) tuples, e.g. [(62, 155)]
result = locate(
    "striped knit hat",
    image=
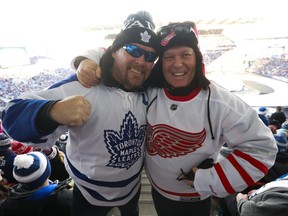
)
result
[(31, 169)]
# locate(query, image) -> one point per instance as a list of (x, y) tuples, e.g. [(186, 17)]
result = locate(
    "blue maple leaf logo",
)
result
[(125, 146)]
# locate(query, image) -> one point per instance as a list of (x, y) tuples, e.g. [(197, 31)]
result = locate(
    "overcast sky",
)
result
[(17, 15), (54, 22)]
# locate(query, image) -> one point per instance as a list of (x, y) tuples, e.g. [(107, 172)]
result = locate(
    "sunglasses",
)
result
[(136, 52), (187, 27)]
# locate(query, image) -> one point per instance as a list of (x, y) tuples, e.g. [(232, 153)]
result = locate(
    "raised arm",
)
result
[(87, 65), (36, 115)]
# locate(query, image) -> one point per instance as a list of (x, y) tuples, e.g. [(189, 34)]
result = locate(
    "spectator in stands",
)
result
[(282, 145), (56, 158), (280, 166), (62, 142), (279, 116), (284, 128), (6, 161), (273, 125), (262, 111), (228, 204), (35, 194), (271, 199)]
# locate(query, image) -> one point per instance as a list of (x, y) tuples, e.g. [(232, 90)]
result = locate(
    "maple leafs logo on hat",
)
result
[(145, 37), (138, 28)]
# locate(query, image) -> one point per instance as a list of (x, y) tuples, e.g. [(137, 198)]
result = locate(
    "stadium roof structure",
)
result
[(200, 22)]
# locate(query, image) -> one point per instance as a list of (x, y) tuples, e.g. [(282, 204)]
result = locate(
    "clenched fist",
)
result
[(71, 111)]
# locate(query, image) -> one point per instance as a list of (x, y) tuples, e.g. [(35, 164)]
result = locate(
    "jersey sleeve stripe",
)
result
[(252, 161), (246, 177), (223, 178)]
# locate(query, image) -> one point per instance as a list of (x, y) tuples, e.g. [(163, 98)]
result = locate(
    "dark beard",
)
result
[(110, 81)]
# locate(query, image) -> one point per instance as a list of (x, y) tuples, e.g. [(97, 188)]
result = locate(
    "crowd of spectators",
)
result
[(211, 55), (274, 67), (11, 88), (215, 45)]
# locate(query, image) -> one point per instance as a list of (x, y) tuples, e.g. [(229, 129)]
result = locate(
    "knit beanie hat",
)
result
[(31, 169), (179, 34), (262, 110), (138, 28), (175, 34), (5, 141), (19, 148)]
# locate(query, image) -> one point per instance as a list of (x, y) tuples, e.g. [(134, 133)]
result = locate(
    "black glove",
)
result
[(206, 164)]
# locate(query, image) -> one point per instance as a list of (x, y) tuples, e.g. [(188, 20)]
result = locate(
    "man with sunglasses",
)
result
[(189, 120), (106, 123)]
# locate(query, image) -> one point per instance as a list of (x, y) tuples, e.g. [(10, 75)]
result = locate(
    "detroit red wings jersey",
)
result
[(179, 137)]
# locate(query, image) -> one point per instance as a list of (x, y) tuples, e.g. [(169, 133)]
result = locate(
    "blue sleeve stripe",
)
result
[(23, 128)]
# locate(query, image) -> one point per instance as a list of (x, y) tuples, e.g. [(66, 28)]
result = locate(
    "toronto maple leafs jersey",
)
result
[(105, 154), (180, 137)]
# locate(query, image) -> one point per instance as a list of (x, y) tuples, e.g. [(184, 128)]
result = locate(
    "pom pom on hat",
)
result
[(138, 28), (262, 110), (5, 141), (19, 148), (31, 169)]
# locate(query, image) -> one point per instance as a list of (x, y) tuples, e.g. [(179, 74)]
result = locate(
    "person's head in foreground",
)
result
[(32, 170)]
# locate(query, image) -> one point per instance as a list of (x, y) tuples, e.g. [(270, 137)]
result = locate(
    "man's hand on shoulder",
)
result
[(89, 73)]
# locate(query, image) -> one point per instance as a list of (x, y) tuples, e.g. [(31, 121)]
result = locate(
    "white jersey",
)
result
[(180, 137), (105, 154)]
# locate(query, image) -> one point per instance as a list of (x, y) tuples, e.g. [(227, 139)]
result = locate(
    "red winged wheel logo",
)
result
[(168, 142)]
